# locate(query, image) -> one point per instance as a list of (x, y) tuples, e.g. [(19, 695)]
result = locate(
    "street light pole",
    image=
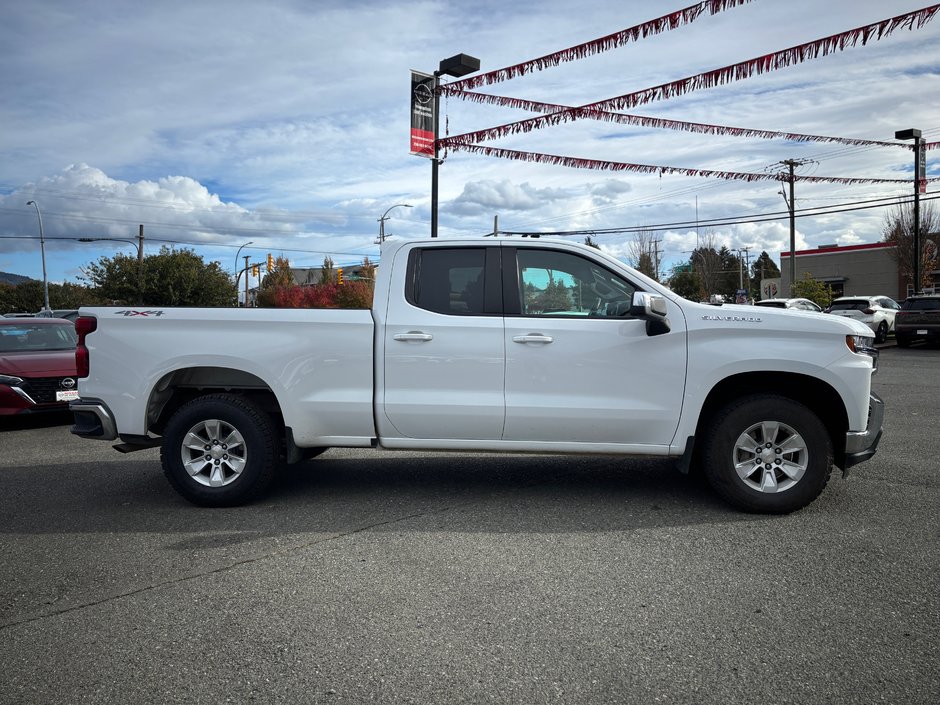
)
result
[(915, 135), (238, 274), (42, 250), (456, 66), (385, 217)]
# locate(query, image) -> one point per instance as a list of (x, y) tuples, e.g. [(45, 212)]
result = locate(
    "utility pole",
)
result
[(655, 245), (791, 205), (919, 174), (140, 245)]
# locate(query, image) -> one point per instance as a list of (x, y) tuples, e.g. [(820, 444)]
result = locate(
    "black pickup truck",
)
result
[(918, 319)]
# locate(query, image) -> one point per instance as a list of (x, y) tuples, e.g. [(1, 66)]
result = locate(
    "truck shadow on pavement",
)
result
[(378, 491)]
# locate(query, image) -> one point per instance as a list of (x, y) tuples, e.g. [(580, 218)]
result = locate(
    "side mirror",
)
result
[(652, 309)]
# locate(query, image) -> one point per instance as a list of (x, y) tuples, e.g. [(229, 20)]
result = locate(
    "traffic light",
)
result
[(270, 263), (339, 275), (255, 270)]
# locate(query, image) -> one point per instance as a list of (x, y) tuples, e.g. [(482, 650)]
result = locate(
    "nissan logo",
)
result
[(68, 383)]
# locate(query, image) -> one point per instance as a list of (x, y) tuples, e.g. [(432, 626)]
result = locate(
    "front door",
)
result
[(578, 367)]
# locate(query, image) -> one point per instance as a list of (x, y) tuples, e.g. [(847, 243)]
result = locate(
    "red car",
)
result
[(37, 365)]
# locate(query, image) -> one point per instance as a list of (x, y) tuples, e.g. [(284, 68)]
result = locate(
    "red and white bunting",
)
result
[(729, 74), (637, 120), (604, 165), (596, 46)]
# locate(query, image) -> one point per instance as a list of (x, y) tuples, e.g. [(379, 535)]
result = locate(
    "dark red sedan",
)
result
[(37, 365)]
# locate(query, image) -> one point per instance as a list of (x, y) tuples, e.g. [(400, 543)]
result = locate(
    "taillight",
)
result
[(868, 311), (83, 326)]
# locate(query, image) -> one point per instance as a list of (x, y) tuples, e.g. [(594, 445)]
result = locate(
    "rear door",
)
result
[(443, 346)]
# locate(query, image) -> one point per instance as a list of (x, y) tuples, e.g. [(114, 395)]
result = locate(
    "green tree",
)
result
[(687, 284), (762, 268), (29, 297), (812, 289), (171, 278), (589, 241)]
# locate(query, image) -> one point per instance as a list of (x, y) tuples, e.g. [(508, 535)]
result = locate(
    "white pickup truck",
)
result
[(489, 344)]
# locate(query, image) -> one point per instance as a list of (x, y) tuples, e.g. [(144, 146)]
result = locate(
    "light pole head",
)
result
[(911, 134), (459, 65), (30, 203)]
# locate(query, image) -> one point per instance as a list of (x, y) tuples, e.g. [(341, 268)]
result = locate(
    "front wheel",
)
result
[(219, 450), (767, 454)]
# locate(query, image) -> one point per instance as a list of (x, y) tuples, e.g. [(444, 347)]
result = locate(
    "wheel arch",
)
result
[(180, 386), (812, 392)]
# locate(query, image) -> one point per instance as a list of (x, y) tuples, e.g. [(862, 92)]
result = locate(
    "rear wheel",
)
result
[(903, 341), (767, 454), (881, 335), (219, 450)]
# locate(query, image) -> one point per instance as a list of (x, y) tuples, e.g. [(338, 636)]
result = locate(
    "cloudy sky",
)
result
[(285, 123)]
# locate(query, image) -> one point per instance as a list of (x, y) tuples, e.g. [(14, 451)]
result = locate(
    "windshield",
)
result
[(26, 337)]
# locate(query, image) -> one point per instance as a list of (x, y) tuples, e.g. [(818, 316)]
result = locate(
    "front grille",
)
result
[(42, 389)]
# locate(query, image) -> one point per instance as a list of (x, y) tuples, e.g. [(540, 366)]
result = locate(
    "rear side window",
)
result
[(449, 280)]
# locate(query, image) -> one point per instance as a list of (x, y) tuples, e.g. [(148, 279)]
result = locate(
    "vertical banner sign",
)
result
[(920, 171), (422, 114)]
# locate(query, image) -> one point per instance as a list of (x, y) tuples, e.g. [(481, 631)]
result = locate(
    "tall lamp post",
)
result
[(42, 250), (456, 66), (919, 164), (238, 274), (385, 217)]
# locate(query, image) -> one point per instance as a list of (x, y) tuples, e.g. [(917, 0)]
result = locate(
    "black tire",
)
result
[(795, 454), (238, 458), (881, 335), (903, 341)]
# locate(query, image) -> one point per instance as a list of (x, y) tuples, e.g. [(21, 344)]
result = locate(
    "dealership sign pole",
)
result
[(424, 115)]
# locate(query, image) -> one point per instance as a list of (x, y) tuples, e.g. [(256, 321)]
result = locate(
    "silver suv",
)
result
[(876, 312)]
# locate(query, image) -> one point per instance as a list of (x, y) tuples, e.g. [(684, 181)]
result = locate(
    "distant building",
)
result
[(853, 270)]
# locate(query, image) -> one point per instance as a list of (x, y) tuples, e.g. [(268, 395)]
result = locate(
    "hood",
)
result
[(785, 319), (38, 363)]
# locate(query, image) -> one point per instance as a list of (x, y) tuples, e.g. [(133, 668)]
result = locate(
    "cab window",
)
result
[(557, 283)]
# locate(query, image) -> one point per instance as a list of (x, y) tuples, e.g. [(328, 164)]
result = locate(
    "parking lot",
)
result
[(468, 578)]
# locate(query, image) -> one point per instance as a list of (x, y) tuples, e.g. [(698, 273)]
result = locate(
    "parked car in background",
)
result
[(876, 312), (37, 365), (918, 319), (797, 304), (69, 314)]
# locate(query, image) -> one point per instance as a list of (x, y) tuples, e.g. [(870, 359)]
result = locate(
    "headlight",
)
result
[(864, 345), (9, 379)]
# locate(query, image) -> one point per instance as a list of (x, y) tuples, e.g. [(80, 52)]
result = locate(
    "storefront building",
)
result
[(853, 270)]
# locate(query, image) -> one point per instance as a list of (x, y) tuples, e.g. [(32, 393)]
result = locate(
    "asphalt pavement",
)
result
[(471, 578)]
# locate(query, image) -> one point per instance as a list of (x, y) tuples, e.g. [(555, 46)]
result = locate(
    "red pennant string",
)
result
[(643, 121), (597, 46), (727, 74), (603, 165)]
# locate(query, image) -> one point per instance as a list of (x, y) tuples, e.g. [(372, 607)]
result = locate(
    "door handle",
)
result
[(532, 338), (413, 335)]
